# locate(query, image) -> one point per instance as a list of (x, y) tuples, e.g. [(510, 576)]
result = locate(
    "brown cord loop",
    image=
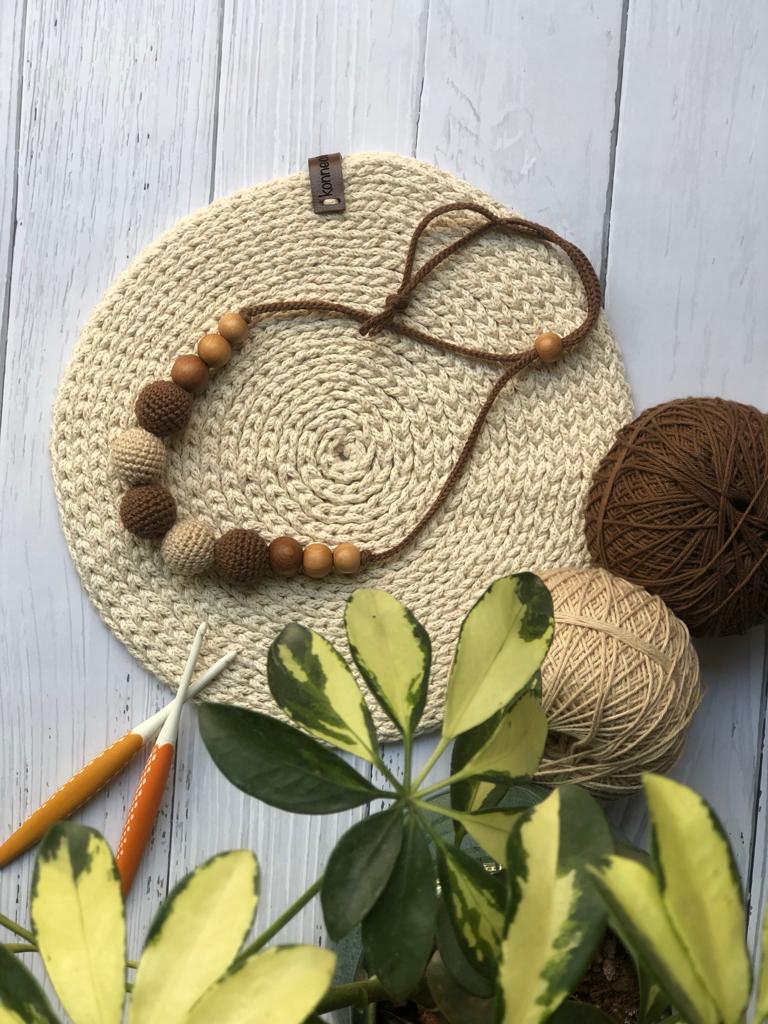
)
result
[(397, 302)]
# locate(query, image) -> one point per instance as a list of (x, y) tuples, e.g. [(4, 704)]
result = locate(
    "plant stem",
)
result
[(356, 993), (283, 920), (19, 947), (446, 812), (444, 784), (17, 929), (442, 745)]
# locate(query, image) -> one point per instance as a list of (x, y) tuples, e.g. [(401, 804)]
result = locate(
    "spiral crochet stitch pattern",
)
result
[(319, 432), (680, 506)]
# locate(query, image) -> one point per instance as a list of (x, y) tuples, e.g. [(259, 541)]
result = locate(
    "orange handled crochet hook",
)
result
[(149, 792), (96, 774)]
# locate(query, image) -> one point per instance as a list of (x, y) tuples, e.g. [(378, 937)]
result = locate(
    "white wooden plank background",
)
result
[(638, 129)]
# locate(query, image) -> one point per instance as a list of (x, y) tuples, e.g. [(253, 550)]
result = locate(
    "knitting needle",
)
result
[(96, 774), (149, 792)]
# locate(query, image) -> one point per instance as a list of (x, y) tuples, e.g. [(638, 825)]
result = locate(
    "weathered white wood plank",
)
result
[(687, 262), (116, 144), (519, 99)]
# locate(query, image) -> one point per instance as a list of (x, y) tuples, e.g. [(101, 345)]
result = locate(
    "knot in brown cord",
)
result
[(394, 303)]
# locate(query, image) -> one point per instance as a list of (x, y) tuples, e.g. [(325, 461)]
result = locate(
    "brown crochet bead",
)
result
[(148, 511), (318, 560), (233, 327), (241, 556), (549, 347), (214, 350), (285, 556), (190, 373), (163, 408)]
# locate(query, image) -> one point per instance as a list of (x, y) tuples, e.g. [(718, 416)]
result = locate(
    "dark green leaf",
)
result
[(456, 1004), (574, 1012), (20, 994), (358, 869), (474, 899), (465, 746), (279, 764), (398, 932), (455, 961)]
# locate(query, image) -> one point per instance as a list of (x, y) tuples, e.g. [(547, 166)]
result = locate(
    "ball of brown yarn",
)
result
[(188, 547), (148, 511), (620, 683), (241, 556), (163, 408), (679, 505)]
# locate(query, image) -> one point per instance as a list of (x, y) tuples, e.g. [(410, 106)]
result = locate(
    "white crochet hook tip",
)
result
[(170, 728)]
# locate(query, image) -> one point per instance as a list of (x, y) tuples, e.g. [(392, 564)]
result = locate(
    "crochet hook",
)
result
[(149, 792), (93, 776)]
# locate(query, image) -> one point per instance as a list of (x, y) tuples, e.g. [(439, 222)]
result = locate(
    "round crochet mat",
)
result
[(315, 431)]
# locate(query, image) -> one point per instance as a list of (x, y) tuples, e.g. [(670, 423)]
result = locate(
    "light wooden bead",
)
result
[(318, 560), (234, 328), (285, 556), (190, 373), (549, 347), (188, 547), (138, 456), (346, 559), (214, 350)]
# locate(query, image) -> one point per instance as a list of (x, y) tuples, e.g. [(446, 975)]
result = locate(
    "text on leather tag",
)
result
[(327, 183)]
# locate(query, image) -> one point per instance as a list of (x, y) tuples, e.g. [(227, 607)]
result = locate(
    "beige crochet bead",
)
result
[(138, 456), (188, 547)]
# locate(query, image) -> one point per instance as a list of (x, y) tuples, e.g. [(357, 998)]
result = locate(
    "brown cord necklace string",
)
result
[(241, 556), (397, 302)]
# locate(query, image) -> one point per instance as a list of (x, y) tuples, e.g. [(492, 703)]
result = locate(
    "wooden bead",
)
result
[(549, 347), (163, 408), (148, 511), (190, 373), (138, 456), (214, 350), (346, 559), (234, 328), (285, 556), (241, 556), (318, 560), (188, 547)]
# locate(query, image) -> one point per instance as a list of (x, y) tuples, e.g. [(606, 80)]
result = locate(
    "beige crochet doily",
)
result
[(318, 432)]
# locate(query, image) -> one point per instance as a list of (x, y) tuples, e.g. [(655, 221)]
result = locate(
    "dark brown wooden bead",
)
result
[(549, 347), (163, 408), (214, 350), (148, 511), (241, 556), (233, 327), (318, 560), (190, 373), (285, 556)]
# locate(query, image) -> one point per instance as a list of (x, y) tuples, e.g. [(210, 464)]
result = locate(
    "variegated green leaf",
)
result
[(392, 650), (502, 643), (632, 894), (195, 937), (313, 684), (79, 925), (761, 1001), (554, 919), (490, 829), (474, 900), (282, 985), (22, 1001), (701, 891)]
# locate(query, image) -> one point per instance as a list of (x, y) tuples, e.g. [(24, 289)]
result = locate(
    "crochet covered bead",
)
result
[(188, 547), (241, 556), (138, 456), (148, 511), (163, 408)]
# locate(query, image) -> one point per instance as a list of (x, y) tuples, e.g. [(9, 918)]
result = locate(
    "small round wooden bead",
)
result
[(148, 511), (163, 408), (188, 547), (549, 347), (138, 456), (285, 556), (318, 560), (233, 327), (346, 559), (190, 373), (214, 350), (241, 556)]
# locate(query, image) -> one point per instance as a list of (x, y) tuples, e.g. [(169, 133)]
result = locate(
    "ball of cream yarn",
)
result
[(620, 684), (138, 456)]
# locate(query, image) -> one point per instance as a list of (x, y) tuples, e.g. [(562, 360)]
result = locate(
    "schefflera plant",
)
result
[(193, 969), (384, 872)]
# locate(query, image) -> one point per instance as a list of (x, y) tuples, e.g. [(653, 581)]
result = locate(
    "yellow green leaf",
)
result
[(516, 745), (313, 684), (474, 901), (490, 829), (282, 985), (77, 916), (761, 1002), (701, 891), (195, 937), (22, 1001), (502, 643), (392, 651), (634, 898)]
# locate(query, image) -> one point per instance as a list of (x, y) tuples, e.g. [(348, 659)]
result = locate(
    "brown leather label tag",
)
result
[(327, 183)]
